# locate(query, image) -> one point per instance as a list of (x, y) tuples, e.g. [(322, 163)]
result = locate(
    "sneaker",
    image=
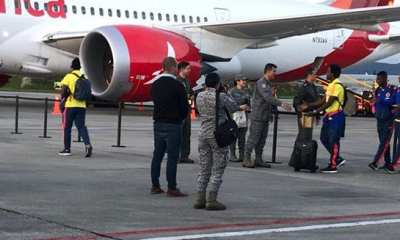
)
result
[(374, 166), (340, 162), (88, 151), (329, 169), (156, 190), (175, 193), (389, 169), (65, 153)]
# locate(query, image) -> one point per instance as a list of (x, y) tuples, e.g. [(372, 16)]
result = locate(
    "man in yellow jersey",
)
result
[(334, 121), (75, 110)]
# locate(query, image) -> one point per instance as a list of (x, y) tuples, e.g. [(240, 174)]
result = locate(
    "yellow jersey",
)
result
[(70, 81), (335, 90)]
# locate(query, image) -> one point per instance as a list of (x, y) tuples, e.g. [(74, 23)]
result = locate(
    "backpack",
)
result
[(83, 88), (349, 105)]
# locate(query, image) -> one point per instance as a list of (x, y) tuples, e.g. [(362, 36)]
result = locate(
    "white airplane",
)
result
[(122, 43)]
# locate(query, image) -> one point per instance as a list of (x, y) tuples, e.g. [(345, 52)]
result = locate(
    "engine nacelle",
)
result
[(123, 61)]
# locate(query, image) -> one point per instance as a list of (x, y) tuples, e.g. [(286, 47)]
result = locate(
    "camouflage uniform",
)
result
[(213, 159), (241, 97), (260, 116), (187, 123)]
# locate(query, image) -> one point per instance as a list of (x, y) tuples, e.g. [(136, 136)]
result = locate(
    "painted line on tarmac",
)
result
[(280, 230), (228, 226)]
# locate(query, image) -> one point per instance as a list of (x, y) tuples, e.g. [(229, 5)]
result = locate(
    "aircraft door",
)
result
[(338, 39), (222, 15)]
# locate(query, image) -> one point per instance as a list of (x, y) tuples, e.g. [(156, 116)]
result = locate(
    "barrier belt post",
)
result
[(16, 116), (119, 127), (394, 144), (275, 137), (79, 138), (46, 105)]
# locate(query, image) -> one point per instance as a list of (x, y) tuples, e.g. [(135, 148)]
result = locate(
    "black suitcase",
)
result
[(305, 153)]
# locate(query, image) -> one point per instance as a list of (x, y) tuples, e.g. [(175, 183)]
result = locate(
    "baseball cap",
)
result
[(241, 77)]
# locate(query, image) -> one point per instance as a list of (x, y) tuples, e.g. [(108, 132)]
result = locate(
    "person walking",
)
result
[(74, 111), (170, 109)]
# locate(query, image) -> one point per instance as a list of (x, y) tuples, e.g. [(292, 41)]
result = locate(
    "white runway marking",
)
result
[(280, 230)]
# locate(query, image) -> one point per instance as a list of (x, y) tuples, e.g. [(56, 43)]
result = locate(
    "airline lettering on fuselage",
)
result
[(52, 11), (320, 40)]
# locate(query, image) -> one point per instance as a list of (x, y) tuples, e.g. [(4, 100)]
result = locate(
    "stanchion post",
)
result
[(46, 105), (79, 138), (16, 116), (394, 143), (119, 127), (275, 137)]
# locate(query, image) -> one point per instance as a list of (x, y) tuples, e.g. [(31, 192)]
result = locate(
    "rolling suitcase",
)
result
[(306, 150)]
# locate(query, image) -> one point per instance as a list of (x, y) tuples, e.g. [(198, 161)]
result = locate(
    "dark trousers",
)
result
[(167, 139), (385, 131), (331, 132), (396, 157), (187, 128), (76, 115), (241, 141), (304, 134)]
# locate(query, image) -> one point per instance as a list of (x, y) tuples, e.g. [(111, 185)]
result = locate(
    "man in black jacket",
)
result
[(170, 108)]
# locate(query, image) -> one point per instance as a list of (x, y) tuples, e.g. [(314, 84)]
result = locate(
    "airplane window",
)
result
[(16, 3), (118, 13), (183, 19), (151, 16), (55, 8), (175, 18), (110, 12), (191, 19), (46, 7), (26, 3), (92, 11), (74, 9), (159, 17), (36, 5), (198, 19), (83, 10), (65, 8), (205, 19), (101, 12), (144, 15), (135, 15), (167, 17), (127, 14)]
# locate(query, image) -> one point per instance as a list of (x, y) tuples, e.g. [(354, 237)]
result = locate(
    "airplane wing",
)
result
[(366, 19)]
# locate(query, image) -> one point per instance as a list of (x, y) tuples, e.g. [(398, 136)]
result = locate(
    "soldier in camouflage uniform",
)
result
[(184, 72), (213, 159), (260, 117), (242, 97)]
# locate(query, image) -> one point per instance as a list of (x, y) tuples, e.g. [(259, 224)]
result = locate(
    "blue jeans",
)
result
[(76, 115), (167, 139), (333, 129)]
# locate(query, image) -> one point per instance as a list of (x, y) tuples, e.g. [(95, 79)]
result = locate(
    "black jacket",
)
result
[(170, 101), (306, 93)]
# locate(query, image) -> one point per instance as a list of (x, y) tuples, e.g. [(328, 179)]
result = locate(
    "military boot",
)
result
[(201, 200), (247, 161), (259, 162), (233, 157), (241, 155), (212, 203)]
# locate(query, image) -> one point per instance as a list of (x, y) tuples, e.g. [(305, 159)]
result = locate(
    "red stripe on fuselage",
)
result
[(356, 48)]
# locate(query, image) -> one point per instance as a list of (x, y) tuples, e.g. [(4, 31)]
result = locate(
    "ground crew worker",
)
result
[(170, 108), (385, 98), (306, 93), (396, 157), (334, 121), (213, 159), (260, 117), (242, 97), (183, 73), (74, 111)]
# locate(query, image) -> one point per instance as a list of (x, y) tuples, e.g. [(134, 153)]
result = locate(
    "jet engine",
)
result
[(123, 61)]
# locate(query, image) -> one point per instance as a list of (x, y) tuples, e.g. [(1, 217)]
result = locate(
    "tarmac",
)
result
[(47, 196)]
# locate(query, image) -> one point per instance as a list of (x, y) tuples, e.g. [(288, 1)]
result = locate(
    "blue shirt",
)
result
[(397, 114), (387, 98)]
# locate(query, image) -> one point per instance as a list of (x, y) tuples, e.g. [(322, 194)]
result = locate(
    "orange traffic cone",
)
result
[(193, 113), (141, 108), (56, 106)]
